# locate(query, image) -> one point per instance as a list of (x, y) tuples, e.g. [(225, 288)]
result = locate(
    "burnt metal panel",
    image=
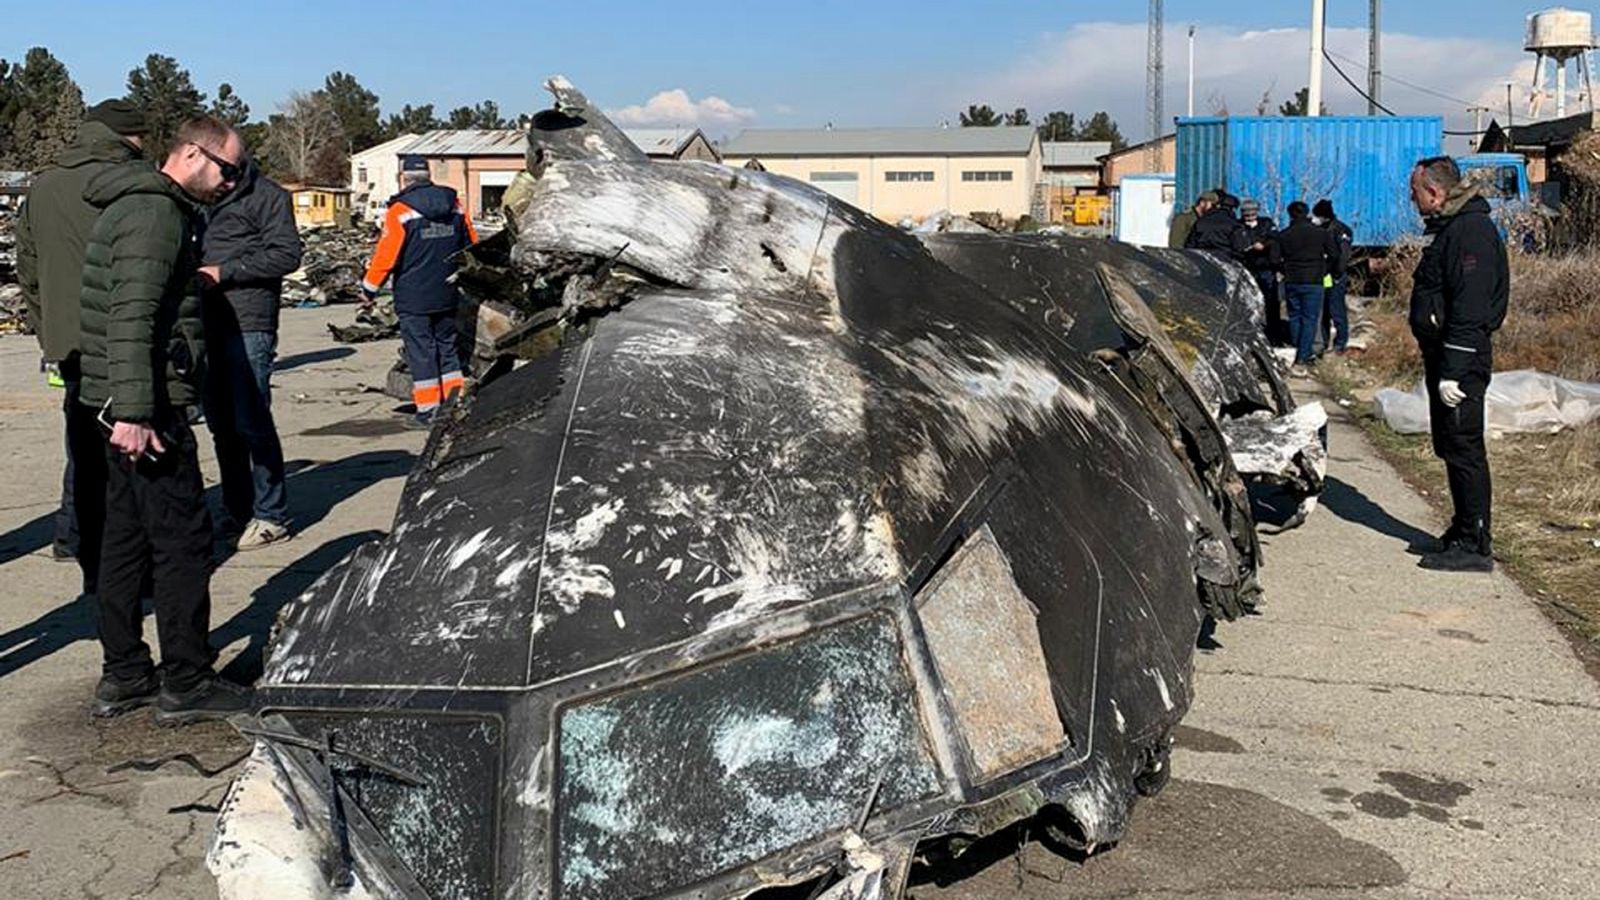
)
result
[(984, 638)]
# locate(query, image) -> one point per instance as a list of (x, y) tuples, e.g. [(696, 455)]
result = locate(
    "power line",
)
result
[(1374, 103), (1414, 86)]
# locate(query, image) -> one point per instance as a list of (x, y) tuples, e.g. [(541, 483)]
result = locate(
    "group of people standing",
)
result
[(1309, 260), (1460, 295), (154, 287)]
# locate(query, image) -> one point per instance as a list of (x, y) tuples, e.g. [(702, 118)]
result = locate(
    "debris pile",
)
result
[(13, 311), (894, 541), (331, 269)]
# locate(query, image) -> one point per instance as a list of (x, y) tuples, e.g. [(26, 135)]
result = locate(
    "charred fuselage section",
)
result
[(798, 544)]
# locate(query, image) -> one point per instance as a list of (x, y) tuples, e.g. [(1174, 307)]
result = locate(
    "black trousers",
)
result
[(1458, 441), (84, 488), (157, 525)]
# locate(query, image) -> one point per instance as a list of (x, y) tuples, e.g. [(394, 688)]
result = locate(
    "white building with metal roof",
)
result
[(894, 173), (375, 175)]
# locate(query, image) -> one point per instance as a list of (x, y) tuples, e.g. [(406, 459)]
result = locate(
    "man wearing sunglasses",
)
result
[(143, 361)]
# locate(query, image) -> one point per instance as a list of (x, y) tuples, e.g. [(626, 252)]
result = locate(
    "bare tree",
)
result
[(302, 135)]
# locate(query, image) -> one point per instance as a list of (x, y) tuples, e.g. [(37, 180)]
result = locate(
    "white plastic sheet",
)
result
[(1524, 400)]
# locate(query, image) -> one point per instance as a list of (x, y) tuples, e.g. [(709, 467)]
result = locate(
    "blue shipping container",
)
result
[(1361, 163)]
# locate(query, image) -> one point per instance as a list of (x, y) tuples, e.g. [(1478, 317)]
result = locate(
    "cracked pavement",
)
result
[(1377, 732)]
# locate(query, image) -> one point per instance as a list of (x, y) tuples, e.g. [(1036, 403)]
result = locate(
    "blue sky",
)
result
[(866, 62)]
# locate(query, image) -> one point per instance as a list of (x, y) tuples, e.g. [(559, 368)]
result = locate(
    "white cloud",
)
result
[(1101, 65), (676, 107)]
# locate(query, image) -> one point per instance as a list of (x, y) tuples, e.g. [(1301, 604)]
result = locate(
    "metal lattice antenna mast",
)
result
[(1155, 80), (1374, 56)]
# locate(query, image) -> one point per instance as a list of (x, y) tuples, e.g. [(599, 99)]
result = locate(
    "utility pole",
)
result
[(1511, 114), (1374, 56), (1314, 83), (1155, 73), (1191, 70), (1477, 127)]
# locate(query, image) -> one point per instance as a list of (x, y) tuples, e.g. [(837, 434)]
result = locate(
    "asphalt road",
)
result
[(1378, 731)]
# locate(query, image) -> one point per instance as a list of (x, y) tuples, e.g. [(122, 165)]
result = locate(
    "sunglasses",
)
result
[(230, 171)]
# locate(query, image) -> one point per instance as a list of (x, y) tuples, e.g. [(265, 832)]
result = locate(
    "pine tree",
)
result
[(41, 110), (357, 111), (228, 107), (979, 116), (164, 90), (1101, 127), (410, 120), (1058, 126)]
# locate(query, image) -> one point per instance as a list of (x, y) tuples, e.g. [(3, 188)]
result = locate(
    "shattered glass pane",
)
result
[(443, 830), (675, 782)]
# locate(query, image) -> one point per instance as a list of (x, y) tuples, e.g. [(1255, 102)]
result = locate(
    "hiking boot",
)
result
[(210, 700), (1458, 557), (260, 533), (422, 421), (113, 697)]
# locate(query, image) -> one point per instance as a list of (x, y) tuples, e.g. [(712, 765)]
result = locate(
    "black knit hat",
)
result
[(1323, 209), (119, 115)]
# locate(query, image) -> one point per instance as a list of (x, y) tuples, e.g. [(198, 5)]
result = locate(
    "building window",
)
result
[(361, 176), (833, 176), (985, 175), (908, 176), (493, 196)]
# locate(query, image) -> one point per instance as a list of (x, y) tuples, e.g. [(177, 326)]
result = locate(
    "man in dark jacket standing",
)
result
[(1309, 254), (143, 353), (1335, 315), (1458, 300), (52, 230), (1216, 230), (250, 244), (1183, 222), (423, 230), (1259, 251)]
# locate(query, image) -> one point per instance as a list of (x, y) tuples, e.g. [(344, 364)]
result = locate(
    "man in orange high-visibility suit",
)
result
[(423, 230)]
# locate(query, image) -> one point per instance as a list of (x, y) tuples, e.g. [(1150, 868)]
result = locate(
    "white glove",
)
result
[(1450, 393)]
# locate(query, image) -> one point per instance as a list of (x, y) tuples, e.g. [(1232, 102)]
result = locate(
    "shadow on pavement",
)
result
[(314, 490), (24, 539), (1349, 504), (255, 621), (311, 357)]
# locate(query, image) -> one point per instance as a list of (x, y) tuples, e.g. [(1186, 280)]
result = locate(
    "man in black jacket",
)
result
[(1216, 230), (250, 244), (1258, 248), (1335, 315), (52, 230), (1309, 254), (1458, 300)]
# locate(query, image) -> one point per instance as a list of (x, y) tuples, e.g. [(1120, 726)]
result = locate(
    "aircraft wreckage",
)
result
[(797, 547)]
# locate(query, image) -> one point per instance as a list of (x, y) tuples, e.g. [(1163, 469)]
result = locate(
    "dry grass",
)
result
[(1553, 323)]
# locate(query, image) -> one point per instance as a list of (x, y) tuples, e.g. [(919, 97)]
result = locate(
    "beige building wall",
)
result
[(699, 148), (464, 174), (948, 190), (1138, 161)]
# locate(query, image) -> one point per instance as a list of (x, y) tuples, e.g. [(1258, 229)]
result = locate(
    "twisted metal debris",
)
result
[(798, 547)]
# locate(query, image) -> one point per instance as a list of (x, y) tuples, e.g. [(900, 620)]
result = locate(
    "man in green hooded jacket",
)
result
[(52, 230), (143, 360)]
